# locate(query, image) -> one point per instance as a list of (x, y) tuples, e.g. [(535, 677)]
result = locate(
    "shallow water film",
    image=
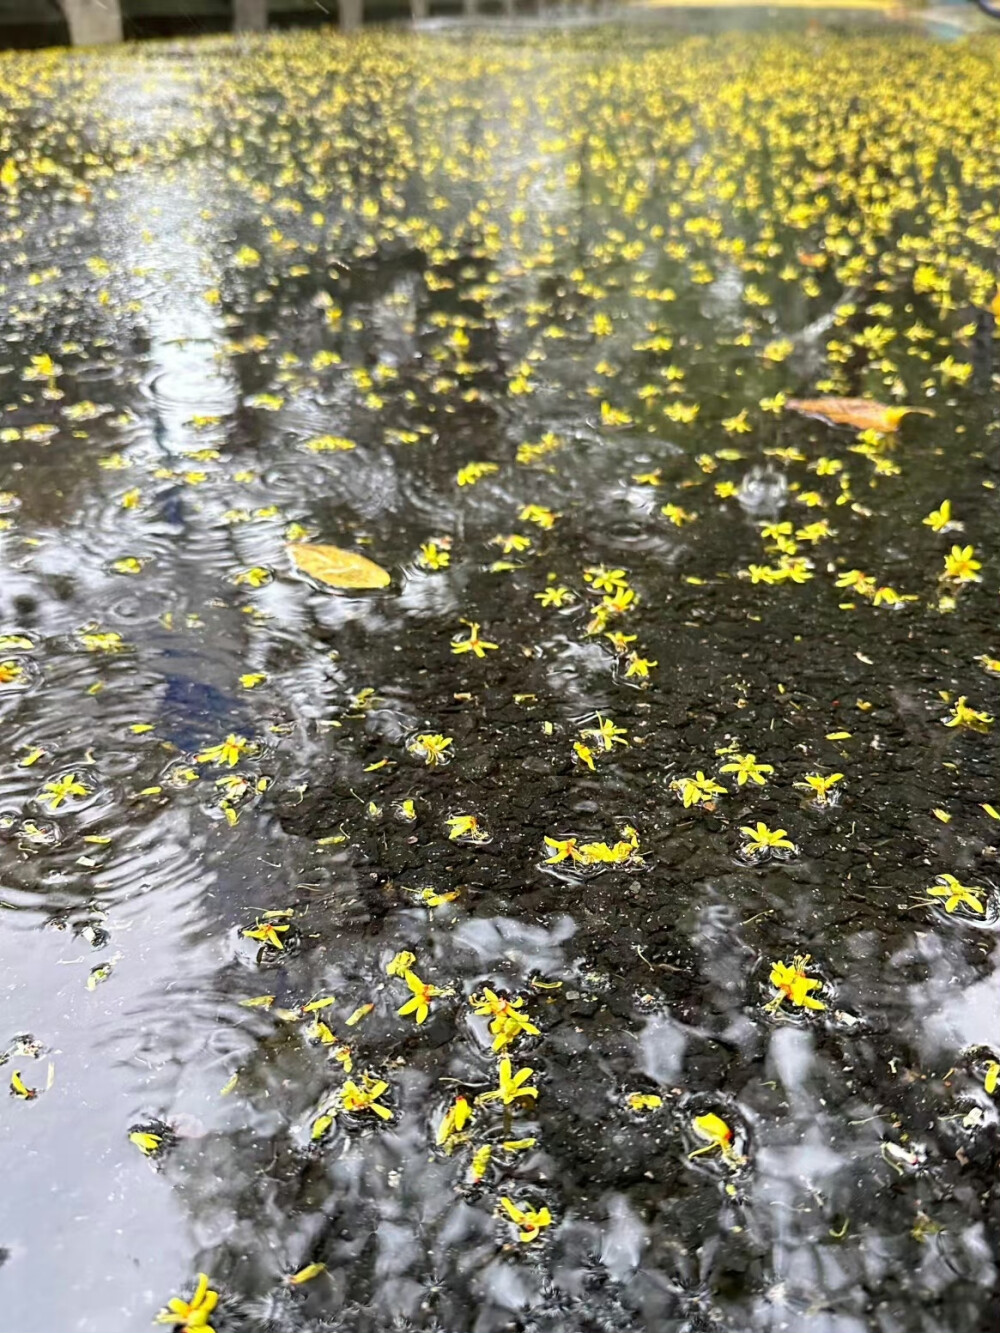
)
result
[(500, 805)]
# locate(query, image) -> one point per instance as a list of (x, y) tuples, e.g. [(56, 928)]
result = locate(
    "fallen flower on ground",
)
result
[(528, 1220), (794, 984)]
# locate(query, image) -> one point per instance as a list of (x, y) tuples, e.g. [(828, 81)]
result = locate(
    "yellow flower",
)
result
[(473, 644), (400, 963), (605, 580), (819, 785), (886, 596), (513, 542), (950, 369), (858, 582), (507, 1019), (257, 577), (718, 1136), (677, 515), (618, 603), (737, 425), (761, 839), (538, 514), (698, 790), (419, 1003), (559, 596), (466, 826), (267, 932), (960, 567), (794, 984), (763, 574), (606, 732), (564, 849), (59, 789), (473, 472), (431, 747), (963, 716), (584, 753), (454, 1121), (435, 554), (814, 532), (229, 751), (939, 519), (957, 895), (147, 1143), (193, 1314), (626, 850), (356, 1099), (640, 667), (747, 769), (512, 1086), (528, 1220), (96, 641), (643, 1101)]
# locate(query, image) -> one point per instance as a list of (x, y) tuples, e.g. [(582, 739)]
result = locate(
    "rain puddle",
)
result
[(590, 922)]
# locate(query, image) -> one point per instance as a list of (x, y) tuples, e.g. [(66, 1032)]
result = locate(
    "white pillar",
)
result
[(351, 12), (93, 22), (418, 9), (249, 15)]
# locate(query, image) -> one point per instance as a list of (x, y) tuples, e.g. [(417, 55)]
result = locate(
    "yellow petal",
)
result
[(306, 1274), (320, 1125)]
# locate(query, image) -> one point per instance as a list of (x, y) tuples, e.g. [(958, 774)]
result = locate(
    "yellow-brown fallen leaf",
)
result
[(337, 568), (864, 413)]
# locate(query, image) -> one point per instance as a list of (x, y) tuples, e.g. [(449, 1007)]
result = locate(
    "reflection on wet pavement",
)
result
[(595, 926)]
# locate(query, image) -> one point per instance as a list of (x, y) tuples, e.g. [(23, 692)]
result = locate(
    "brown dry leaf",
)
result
[(863, 413), (337, 568)]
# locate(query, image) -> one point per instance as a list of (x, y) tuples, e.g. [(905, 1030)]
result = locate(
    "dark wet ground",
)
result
[(443, 254)]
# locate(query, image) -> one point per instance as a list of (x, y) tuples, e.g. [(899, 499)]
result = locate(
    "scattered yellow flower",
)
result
[(528, 1220), (699, 790), (466, 826), (643, 1101), (762, 839), (60, 789), (431, 747), (962, 715), (267, 932), (794, 984), (512, 1085), (454, 1121), (959, 565), (229, 751), (191, 1315), (747, 769), (473, 644), (939, 519), (957, 895), (819, 785), (422, 992)]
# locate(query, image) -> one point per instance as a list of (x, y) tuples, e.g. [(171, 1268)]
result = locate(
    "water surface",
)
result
[(292, 289)]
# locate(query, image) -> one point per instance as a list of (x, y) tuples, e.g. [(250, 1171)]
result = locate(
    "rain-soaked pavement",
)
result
[(518, 318)]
